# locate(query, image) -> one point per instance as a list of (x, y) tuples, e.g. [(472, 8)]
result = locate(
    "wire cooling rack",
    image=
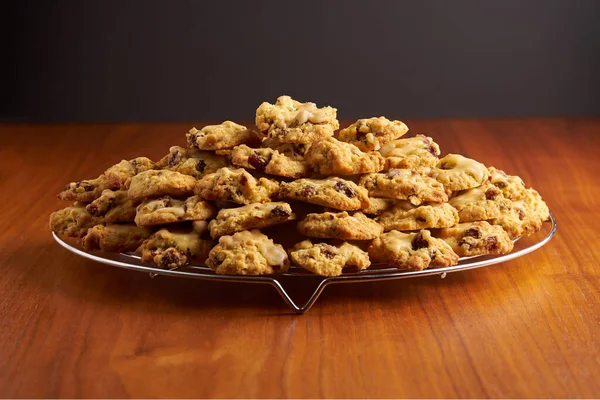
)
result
[(377, 272)]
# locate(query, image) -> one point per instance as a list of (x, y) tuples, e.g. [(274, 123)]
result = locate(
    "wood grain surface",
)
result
[(526, 328)]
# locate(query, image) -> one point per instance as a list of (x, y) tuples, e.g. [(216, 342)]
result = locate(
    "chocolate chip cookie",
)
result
[(329, 260)]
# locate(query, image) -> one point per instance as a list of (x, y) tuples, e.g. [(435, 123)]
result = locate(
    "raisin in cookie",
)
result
[(288, 113), (168, 210), (404, 216), (416, 152), (84, 191), (173, 250), (113, 206), (477, 238), (479, 204), (371, 133), (525, 216), (412, 251), (329, 260), (72, 221), (118, 175), (247, 253), (456, 173), (237, 185), (333, 192), (332, 157), (154, 183), (404, 184), (252, 216), (192, 162), (513, 187), (224, 136), (269, 161), (340, 225), (115, 238)]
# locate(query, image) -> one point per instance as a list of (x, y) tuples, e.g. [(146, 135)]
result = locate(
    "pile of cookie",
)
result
[(346, 198)]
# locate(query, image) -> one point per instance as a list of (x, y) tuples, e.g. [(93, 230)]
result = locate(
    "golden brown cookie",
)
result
[(252, 216), (224, 136), (332, 157), (404, 184), (479, 204), (115, 238), (513, 187), (113, 206), (72, 221), (412, 251), (118, 175), (329, 260), (377, 205), (154, 183), (331, 192), (247, 253), (456, 173), (477, 238), (288, 113), (404, 216), (237, 185), (170, 250), (371, 133), (416, 152), (525, 216), (341, 225), (295, 151), (168, 210), (192, 162), (84, 191), (269, 161)]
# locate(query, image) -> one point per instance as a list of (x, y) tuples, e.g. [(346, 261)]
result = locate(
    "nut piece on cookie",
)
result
[(371, 133), (513, 187), (288, 113), (170, 250), (168, 210), (332, 192), (84, 191), (191, 162), (524, 217), (115, 238), (247, 253), (118, 175), (154, 183), (72, 221), (269, 161), (412, 251), (419, 151), (252, 216), (404, 184), (340, 225), (237, 185), (223, 136), (477, 238), (456, 173), (332, 157), (113, 206), (480, 203), (404, 216), (329, 260)]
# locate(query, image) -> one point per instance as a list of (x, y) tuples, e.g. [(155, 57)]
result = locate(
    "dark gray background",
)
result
[(191, 60)]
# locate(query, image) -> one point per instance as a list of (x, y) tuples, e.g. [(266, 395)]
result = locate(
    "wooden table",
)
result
[(527, 328)]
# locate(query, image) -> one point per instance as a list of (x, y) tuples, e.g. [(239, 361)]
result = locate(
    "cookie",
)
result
[(415, 152), (247, 253), (513, 187), (412, 251), (168, 210), (479, 204), (456, 173), (288, 113), (525, 216), (118, 175), (171, 250), (224, 136), (477, 238), (154, 183), (72, 221), (295, 151), (377, 205), (237, 185), (192, 162), (84, 191), (113, 206), (340, 225), (252, 216), (404, 216), (371, 133), (333, 192), (115, 238), (329, 260), (332, 157), (269, 161), (404, 184)]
